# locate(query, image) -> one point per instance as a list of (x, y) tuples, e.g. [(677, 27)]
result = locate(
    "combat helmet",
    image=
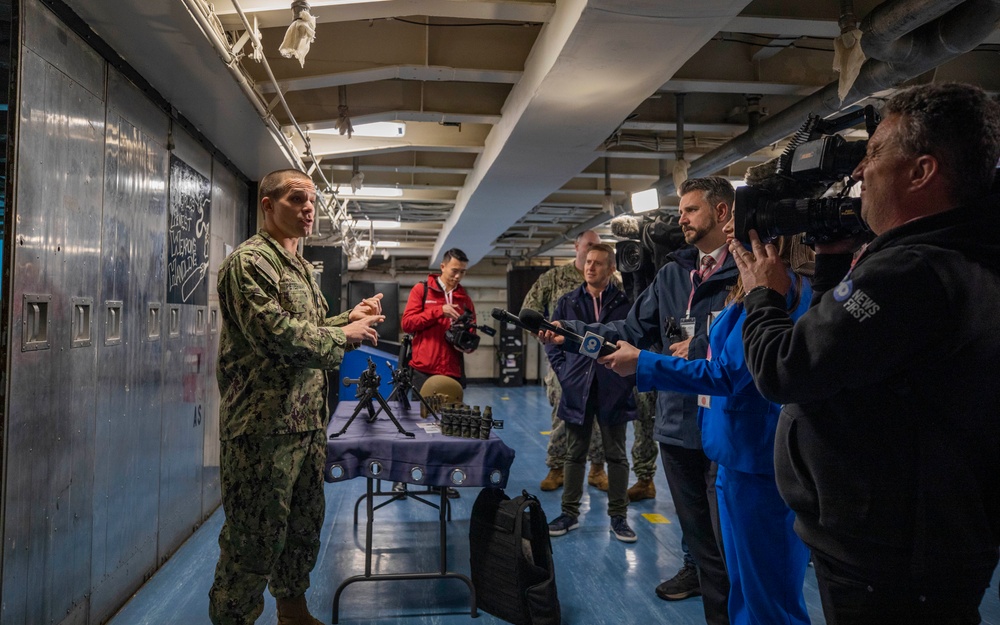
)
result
[(440, 390)]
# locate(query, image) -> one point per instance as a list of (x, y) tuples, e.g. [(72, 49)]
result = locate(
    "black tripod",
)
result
[(402, 384), (367, 392)]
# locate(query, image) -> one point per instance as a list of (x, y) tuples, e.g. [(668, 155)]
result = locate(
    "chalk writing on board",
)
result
[(187, 233)]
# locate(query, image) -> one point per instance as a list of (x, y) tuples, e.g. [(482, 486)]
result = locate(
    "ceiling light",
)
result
[(374, 129), (377, 224), (300, 33), (645, 201), (371, 192), (382, 244)]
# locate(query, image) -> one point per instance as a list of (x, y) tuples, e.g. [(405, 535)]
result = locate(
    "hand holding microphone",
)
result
[(591, 345)]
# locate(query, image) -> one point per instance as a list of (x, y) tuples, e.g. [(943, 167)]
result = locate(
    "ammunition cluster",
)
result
[(463, 421)]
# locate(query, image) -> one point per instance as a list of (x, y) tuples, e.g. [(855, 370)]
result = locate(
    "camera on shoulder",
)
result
[(806, 189)]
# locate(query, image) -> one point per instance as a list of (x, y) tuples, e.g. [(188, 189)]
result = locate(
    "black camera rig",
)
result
[(461, 336), (791, 194)]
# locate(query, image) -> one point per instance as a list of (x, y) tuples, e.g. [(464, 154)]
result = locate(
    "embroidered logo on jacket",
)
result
[(860, 306)]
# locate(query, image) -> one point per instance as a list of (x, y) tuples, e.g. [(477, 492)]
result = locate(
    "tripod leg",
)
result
[(357, 411), (430, 410), (392, 417)]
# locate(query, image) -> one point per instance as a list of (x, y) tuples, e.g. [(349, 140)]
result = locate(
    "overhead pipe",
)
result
[(959, 31)]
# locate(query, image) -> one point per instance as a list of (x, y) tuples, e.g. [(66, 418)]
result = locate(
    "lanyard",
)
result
[(705, 277), (598, 304), (448, 295)]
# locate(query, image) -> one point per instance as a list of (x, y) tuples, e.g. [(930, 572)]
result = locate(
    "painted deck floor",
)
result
[(600, 580)]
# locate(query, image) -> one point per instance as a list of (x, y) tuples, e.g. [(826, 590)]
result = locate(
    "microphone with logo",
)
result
[(590, 345)]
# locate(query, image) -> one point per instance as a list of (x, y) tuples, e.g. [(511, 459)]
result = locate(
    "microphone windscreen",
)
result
[(625, 226), (532, 319)]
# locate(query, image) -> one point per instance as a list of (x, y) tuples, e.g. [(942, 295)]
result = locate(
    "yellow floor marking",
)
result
[(655, 518), (545, 433)]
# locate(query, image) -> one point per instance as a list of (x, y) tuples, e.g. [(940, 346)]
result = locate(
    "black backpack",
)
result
[(511, 558)]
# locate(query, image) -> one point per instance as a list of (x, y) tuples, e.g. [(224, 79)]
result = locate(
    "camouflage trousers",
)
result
[(272, 495), (644, 448)]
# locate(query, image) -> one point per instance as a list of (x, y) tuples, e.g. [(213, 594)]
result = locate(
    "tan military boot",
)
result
[(293, 611), (642, 489), (597, 477), (553, 480)]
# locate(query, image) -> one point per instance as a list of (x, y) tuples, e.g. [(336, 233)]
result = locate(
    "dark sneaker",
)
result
[(562, 524), (681, 586), (399, 487), (621, 530)]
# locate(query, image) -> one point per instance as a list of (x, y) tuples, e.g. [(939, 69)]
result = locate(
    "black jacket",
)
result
[(888, 449)]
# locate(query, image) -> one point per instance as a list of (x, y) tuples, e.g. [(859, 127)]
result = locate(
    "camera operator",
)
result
[(430, 311), (886, 448)]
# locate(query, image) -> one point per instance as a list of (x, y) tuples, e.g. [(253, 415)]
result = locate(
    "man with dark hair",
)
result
[(274, 347), (430, 310), (886, 448), (673, 315)]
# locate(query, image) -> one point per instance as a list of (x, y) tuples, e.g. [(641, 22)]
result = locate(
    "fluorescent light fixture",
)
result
[(644, 201), (377, 224), (374, 129), (381, 243), (371, 192)]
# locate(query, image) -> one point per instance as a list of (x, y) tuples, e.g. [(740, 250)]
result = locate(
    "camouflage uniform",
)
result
[(274, 346), (644, 448)]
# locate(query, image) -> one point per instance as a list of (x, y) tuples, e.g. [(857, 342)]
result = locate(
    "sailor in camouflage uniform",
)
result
[(275, 346)]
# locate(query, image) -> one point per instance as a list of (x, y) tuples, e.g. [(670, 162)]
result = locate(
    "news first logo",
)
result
[(591, 345), (856, 302)]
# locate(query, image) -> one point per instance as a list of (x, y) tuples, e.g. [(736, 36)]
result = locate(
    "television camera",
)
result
[(461, 336), (805, 190), (650, 238)]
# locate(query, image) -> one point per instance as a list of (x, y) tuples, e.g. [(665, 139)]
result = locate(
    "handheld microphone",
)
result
[(591, 345), (503, 316)]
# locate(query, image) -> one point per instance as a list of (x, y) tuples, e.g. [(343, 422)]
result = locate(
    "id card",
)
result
[(687, 327)]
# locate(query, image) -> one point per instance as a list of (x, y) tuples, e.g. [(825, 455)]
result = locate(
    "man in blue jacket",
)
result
[(590, 394), (672, 315)]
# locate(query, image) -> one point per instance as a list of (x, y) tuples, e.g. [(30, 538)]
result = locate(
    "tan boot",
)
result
[(642, 489), (553, 480), (597, 477), (293, 611)]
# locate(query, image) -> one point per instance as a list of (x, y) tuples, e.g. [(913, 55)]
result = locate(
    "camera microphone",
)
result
[(625, 226), (590, 345)]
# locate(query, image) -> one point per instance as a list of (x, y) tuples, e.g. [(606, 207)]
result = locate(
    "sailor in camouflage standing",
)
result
[(275, 345)]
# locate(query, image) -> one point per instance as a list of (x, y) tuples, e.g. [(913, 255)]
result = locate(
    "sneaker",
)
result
[(621, 530), (642, 489), (562, 524), (598, 477), (553, 480), (399, 487), (681, 586)]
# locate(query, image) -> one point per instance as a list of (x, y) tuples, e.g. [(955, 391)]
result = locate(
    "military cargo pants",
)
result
[(644, 448), (272, 495)]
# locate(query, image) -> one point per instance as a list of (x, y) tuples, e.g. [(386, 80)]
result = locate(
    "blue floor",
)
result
[(600, 580)]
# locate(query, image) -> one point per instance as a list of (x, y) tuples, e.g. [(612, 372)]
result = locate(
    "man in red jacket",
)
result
[(430, 310)]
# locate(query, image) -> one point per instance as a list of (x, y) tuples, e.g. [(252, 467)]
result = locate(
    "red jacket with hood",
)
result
[(425, 320)]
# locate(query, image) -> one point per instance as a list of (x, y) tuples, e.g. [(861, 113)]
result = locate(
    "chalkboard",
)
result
[(187, 245)]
